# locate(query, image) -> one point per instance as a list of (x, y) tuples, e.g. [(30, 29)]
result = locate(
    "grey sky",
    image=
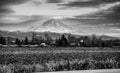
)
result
[(89, 16)]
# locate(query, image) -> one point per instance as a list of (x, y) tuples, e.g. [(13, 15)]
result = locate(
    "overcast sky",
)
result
[(84, 16)]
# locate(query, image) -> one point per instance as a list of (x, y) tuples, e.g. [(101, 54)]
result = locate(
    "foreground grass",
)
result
[(21, 60)]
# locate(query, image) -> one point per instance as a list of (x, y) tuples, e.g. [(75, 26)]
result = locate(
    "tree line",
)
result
[(63, 41)]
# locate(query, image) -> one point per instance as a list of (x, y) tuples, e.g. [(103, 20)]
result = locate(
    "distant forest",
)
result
[(62, 41)]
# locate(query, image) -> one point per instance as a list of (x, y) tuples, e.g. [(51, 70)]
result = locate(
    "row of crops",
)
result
[(55, 60)]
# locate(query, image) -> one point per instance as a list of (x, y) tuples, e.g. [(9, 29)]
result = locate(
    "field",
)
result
[(46, 59)]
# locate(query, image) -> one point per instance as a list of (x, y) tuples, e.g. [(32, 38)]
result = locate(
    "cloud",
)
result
[(107, 13), (22, 23), (37, 3), (54, 1), (87, 3), (112, 14), (5, 5), (9, 2), (4, 10), (13, 19), (107, 16), (79, 4)]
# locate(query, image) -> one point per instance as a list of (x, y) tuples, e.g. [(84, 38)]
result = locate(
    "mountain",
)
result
[(104, 37), (22, 35), (54, 25)]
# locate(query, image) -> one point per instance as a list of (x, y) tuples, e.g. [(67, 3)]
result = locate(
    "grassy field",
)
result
[(28, 60)]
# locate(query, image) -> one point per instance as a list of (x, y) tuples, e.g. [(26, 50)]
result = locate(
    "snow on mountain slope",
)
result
[(54, 25)]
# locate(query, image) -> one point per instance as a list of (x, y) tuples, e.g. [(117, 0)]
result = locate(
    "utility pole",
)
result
[(7, 40), (33, 36)]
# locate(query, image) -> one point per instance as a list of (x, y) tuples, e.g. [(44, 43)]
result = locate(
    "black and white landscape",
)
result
[(59, 35)]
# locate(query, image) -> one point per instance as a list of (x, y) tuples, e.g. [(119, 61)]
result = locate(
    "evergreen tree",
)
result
[(94, 40), (18, 42), (58, 42), (64, 41), (48, 39), (26, 41), (2, 40)]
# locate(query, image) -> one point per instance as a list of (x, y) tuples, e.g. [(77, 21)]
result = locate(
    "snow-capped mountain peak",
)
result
[(53, 25)]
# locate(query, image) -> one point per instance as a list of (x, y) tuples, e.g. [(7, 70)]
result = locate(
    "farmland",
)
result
[(28, 60)]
